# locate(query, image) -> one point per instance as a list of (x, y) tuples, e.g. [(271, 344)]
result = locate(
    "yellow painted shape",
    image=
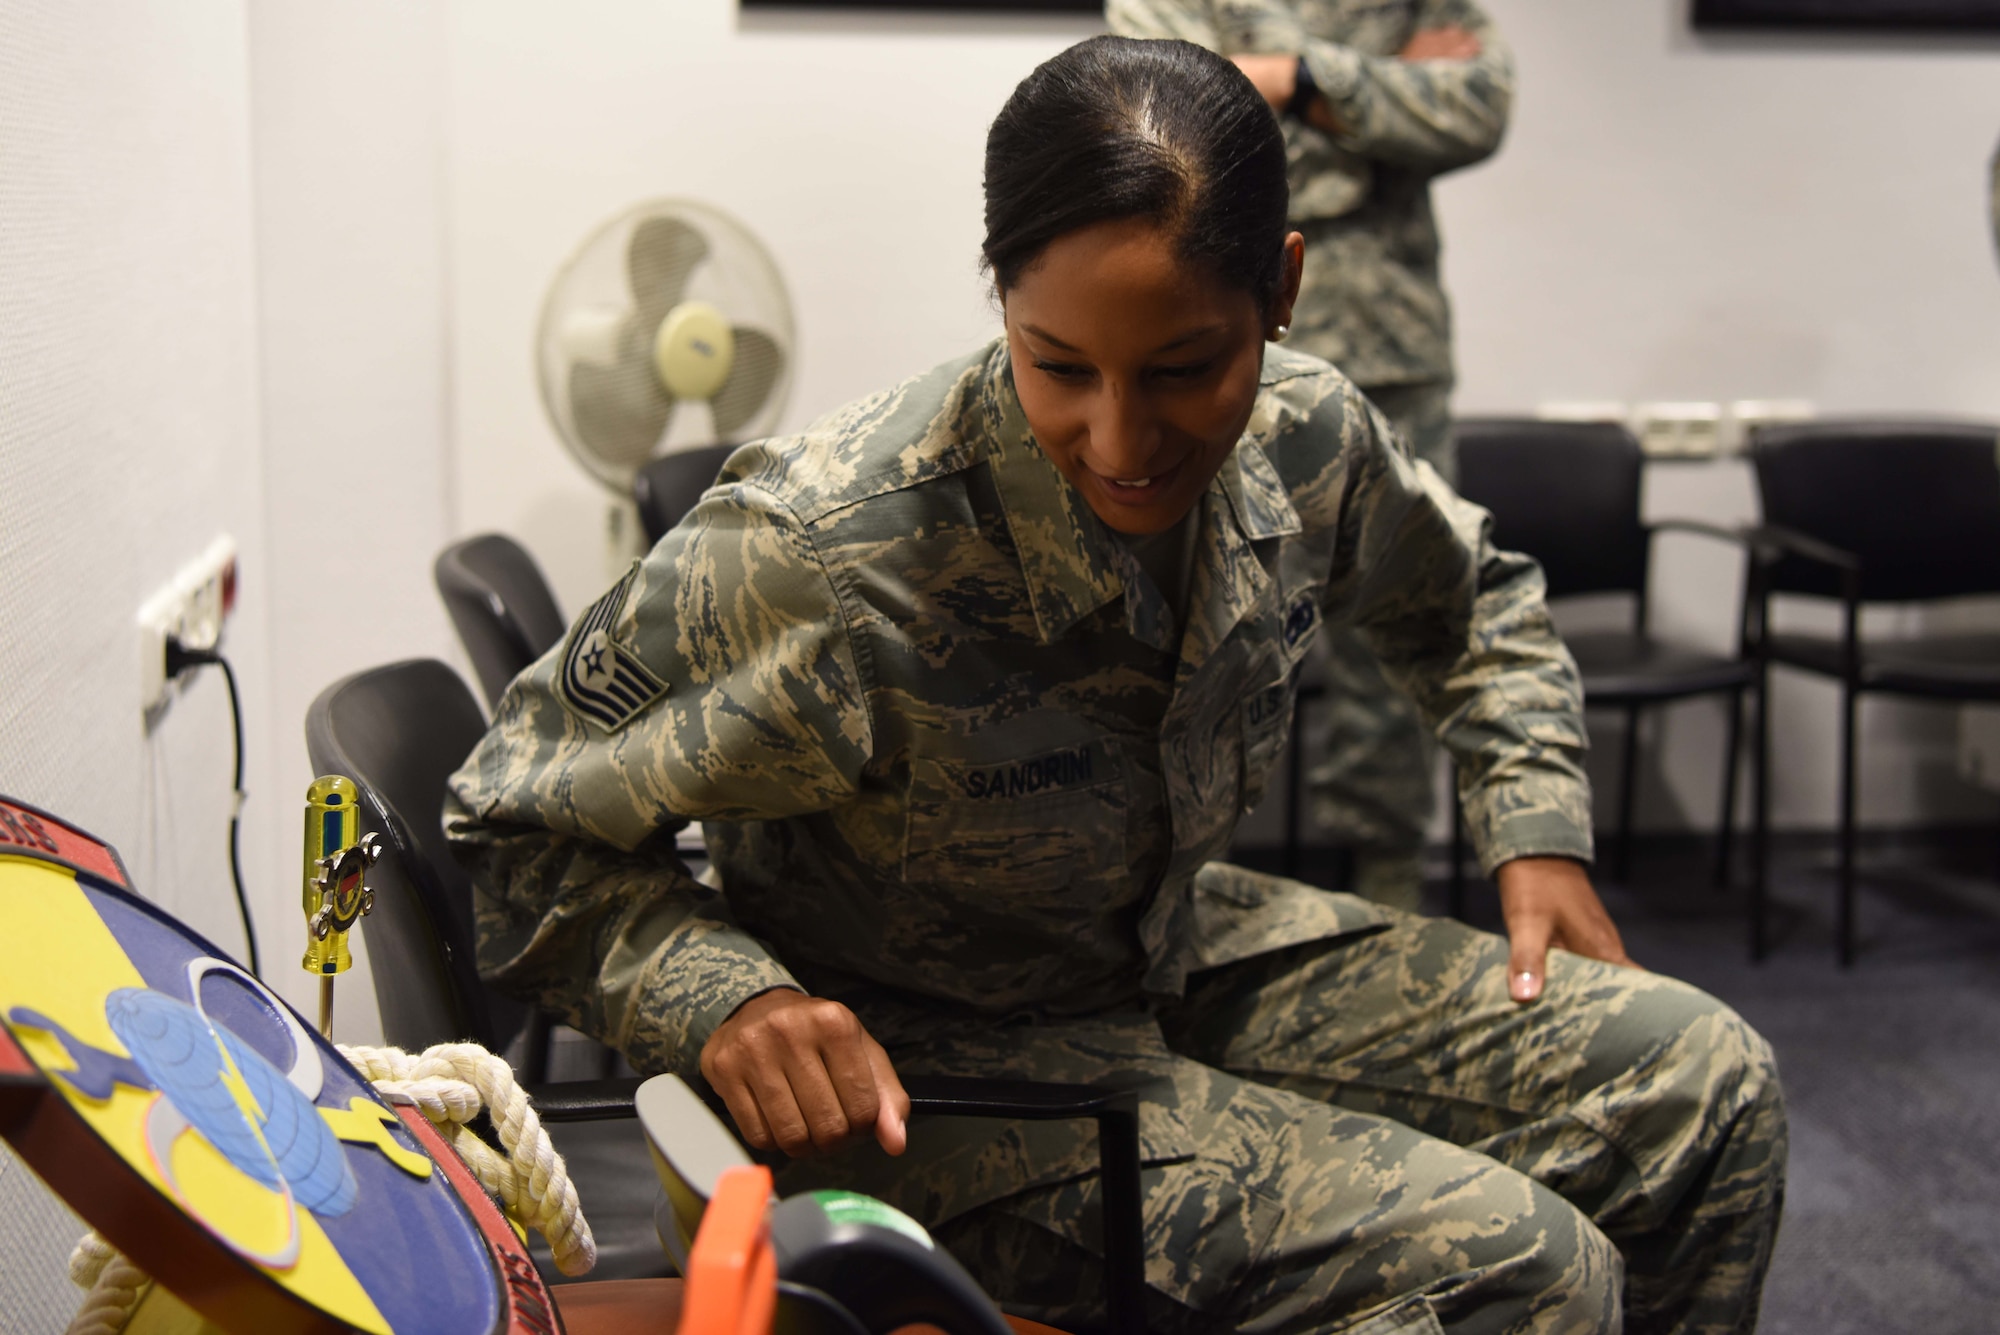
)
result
[(58, 957), (160, 1313), (365, 1122), (215, 1191), (56, 954)]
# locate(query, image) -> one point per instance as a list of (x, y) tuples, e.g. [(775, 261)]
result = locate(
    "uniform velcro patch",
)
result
[(600, 679)]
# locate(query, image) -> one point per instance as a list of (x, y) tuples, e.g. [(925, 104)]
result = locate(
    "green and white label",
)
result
[(848, 1207)]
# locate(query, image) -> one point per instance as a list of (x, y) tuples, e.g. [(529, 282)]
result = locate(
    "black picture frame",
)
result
[(1853, 15), (939, 6)]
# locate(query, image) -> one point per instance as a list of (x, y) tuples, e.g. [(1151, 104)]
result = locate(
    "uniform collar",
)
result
[(1072, 563)]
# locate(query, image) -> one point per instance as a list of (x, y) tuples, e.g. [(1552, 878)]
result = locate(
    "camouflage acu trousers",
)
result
[(1371, 785), (1382, 1141)]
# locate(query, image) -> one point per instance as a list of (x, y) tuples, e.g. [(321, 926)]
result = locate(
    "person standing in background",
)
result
[(1376, 99)]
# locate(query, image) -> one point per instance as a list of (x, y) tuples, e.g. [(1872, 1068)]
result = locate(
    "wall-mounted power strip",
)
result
[(190, 608)]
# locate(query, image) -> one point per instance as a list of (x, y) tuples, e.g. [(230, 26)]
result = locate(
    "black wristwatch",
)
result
[(1303, 93)]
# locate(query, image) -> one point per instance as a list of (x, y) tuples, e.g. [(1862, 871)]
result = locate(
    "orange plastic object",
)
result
[(732, 1279)]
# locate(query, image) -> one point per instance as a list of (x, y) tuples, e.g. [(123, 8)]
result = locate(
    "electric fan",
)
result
[(670, 327)]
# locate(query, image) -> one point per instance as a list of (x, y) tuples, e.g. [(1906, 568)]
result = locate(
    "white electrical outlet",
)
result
[(1678, 430), (191, 608), (1581, 410)]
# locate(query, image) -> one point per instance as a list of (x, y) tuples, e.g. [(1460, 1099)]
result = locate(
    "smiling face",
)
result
[(1137, 371)]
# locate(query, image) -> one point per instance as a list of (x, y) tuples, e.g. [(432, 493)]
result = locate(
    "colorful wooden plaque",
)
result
[(190, 1116)]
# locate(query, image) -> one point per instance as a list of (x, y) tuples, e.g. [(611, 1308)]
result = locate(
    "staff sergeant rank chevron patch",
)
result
[(601, 680)]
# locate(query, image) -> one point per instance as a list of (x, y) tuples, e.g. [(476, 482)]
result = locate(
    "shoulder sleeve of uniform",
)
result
[(716, 680), (1462, 627), (1316, 428)]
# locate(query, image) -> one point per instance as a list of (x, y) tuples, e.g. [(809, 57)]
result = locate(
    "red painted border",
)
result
[(14, 1062), (530, 1311), (34, 833)]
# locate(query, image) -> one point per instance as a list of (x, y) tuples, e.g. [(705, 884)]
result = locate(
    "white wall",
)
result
[(347, 123), (128, 439)]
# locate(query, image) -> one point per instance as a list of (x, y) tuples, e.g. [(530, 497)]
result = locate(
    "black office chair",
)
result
[(666, 488), (399, 732), (1568, 494), (1870, 513), (420, 935), (501, 606)]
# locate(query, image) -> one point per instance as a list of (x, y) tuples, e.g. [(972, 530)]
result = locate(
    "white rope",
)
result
[(115, 1286), (449, 1083)]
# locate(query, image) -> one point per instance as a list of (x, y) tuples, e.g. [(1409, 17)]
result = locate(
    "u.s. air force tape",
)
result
[(600, 679)]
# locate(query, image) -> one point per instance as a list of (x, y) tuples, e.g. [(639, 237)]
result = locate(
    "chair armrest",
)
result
[(584, 1100), (1116, 1112), (1770, 541), (1736, 537)]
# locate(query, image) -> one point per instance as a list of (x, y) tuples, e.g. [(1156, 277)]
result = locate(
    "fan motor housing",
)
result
[(694, 350)]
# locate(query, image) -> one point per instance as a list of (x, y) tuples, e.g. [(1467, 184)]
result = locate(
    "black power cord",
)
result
[(179, 659)]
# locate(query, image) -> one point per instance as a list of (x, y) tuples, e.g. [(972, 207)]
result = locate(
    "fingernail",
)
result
[(1526, 986)]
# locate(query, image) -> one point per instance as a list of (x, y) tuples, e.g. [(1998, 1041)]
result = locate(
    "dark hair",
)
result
[(1120, 128)]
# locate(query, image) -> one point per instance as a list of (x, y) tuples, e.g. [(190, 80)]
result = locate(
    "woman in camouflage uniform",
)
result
[(971, 681)]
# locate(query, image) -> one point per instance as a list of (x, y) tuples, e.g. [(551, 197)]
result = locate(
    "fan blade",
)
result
[(759, 362), (620, 411), (662, 253)]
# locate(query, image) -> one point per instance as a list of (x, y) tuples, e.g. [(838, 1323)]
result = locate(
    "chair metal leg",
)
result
[(1849, 705), (1760, 830), (535, 1048), (1628, 784), (1456, 882), (1725, 835)]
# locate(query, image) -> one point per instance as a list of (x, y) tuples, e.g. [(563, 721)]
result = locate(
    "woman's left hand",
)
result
[(1550, 902)]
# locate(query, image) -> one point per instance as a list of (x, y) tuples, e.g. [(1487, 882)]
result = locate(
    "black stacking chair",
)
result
[(399, 732), (501, 605), (1567, 494), (1871, 513), (666, 488)]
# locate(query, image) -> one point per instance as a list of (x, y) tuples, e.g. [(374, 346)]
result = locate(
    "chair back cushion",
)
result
[(399, 731), (1565, 493), (1917, 502), (500, 603), (666, 488)]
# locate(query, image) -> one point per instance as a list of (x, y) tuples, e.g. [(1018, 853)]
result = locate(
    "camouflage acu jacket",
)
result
[(947, 736), (1372, 304)]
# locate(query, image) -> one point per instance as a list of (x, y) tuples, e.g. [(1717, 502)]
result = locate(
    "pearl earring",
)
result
[(1278, 334)]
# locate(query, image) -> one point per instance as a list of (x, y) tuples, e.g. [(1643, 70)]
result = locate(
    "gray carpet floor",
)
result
[(1891, 1072)]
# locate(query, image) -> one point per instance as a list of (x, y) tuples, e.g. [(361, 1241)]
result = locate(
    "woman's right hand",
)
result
[(800, 1073)]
